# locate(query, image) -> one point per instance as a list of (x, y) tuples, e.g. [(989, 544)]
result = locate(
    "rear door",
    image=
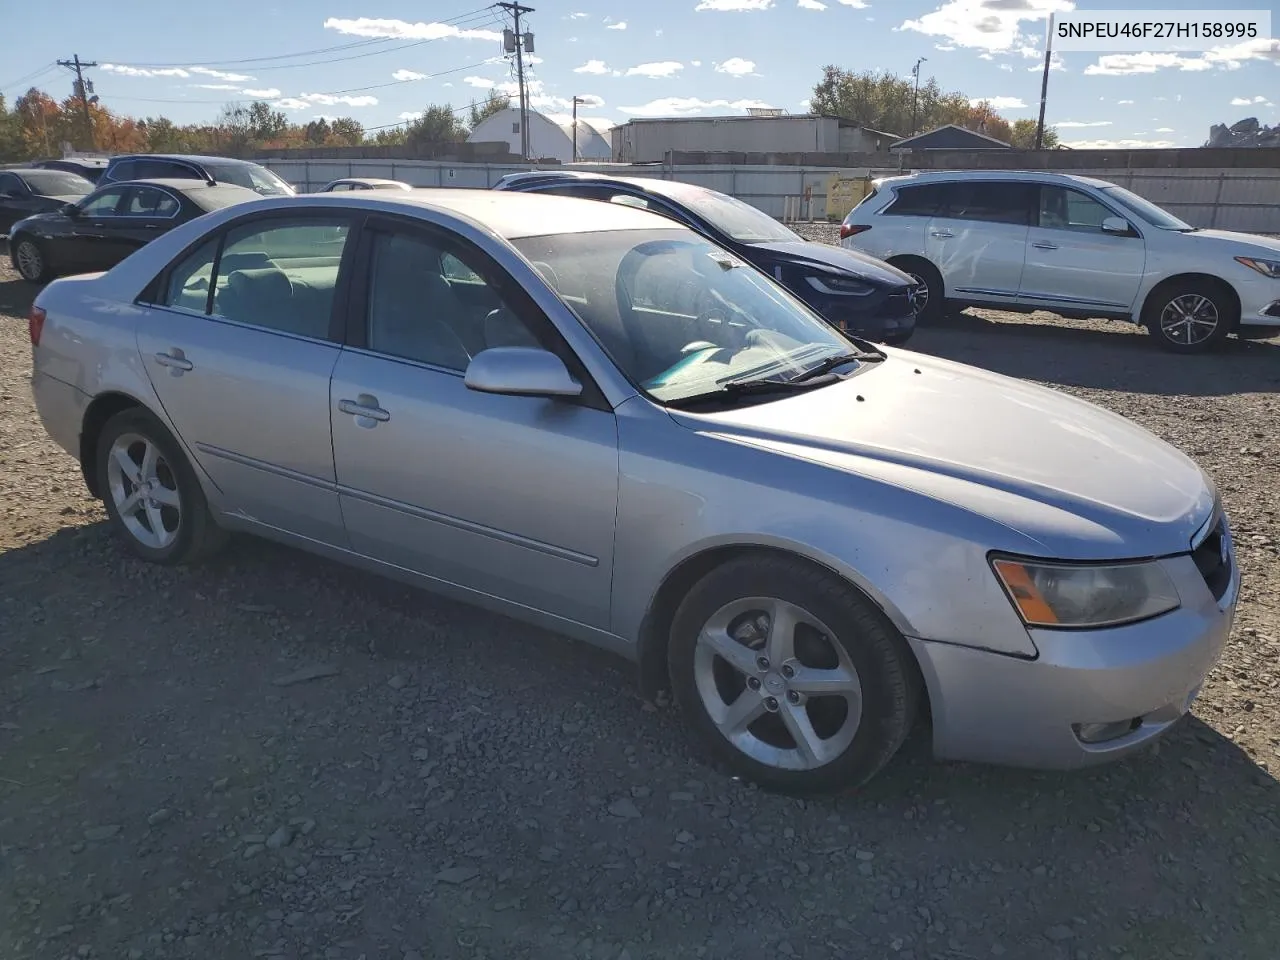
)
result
[(901, 227), (978, 238), (242, 369), (145, 213), (1072, 264)]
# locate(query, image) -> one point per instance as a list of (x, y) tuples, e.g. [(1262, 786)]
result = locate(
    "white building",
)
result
[(759, 131), (548, 140)]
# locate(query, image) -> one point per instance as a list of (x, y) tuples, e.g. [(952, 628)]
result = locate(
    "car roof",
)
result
[(180, 185), (192, 157), (365, 180), (79, 161), (1028, 176), (510, 214)]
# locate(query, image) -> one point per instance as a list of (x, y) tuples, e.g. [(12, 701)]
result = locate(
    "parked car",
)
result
[(504, 398), (91, 168), (151, 166), (857, 293), (26, 191), (104, 227), (1075, 246), (363, 183)]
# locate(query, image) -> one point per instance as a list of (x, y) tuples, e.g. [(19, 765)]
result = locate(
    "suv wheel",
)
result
[(931, 300), (1189, 316)]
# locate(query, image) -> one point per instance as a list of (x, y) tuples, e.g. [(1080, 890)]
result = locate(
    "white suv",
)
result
[(1071, 245)]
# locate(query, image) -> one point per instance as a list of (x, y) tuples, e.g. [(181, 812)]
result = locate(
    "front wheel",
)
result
[(1190, 316), (790, 677), (29, 257), (931, 296)]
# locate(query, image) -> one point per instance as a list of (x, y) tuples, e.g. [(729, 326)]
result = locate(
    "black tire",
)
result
[(886, 670), (925, 272), (197, 535), (34, 268), (1159, 311), (898, 339)]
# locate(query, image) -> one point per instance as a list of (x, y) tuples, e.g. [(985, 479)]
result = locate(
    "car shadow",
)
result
[(16, 297), (1122, 359)]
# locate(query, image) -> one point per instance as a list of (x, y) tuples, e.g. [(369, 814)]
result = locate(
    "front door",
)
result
[(1072, 264), (244, 374), (89, 243), (978, 238), (514, 497)]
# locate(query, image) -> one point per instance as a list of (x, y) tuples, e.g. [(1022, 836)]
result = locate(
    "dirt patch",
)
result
[(455, 785)]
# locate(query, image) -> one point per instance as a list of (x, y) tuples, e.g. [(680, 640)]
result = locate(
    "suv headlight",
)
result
[(834, 284), (1268, 268), (1085, 595)]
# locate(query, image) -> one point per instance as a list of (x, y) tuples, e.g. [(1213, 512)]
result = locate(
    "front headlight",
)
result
[(1085, 595), (834, 285), (1268, 268)]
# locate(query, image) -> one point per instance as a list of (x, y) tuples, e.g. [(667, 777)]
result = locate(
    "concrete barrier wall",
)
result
[(1228, 198)]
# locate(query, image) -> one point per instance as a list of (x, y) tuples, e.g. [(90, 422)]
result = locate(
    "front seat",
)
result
[(408, 308)]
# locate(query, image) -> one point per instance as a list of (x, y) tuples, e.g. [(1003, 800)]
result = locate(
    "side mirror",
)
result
[(70, 209), (521, 372), (1116, 225)]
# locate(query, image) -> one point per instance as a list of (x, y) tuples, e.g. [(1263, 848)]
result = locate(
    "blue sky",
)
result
[(383, 60)]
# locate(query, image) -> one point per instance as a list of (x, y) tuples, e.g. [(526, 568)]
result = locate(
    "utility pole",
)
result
[(1044, 83), (516, 42), (83, 90), (915, 97), (576, 100)]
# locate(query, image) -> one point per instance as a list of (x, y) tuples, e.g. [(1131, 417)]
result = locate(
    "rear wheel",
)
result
[(931, 301), (1189, 316), (30, 259), (790, 677)]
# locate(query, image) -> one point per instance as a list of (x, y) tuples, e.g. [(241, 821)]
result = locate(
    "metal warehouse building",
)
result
[(760, 131)]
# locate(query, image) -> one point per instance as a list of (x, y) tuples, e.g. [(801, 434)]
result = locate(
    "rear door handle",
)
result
[(174, 360), (942, 234), (366, 406), (1044, 245)]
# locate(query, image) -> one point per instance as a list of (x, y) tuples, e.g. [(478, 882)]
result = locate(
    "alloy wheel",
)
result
[(30, 260), (921, 300), (144, 490), (776, 683), (1189, 319)]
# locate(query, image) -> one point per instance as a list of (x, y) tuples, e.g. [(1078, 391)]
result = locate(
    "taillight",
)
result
[(850, 229), (35, 324)]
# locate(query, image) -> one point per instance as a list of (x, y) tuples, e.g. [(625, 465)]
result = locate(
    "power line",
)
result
[(516, 42), (30, 77), (83, 88)]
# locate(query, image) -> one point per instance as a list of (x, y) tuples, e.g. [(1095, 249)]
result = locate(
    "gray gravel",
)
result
[(272, 756)]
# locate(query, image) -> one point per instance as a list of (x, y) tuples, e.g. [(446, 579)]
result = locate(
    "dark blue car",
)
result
[(853, 291)]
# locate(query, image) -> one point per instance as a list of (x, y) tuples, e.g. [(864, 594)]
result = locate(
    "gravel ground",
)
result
[(449, 784)]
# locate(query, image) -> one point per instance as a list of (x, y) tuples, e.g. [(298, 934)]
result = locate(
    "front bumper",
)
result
[(1259, 302), (992, 708), (880, 316)]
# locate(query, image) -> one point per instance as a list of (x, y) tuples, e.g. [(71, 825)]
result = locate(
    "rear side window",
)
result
[(124, 170), (159, 169), (990, 201), (921, 201)]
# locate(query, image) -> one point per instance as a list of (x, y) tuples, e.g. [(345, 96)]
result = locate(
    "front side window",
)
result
[(1146, 210), (1065, 209), (251, 176), (11, 186), (681, 316), (103, 204)]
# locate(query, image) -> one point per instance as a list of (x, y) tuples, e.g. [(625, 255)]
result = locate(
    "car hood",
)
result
[(1265, 246), (1064, 478), (826, 257)]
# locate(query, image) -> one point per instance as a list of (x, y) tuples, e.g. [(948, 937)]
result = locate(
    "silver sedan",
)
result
[(586, 416)]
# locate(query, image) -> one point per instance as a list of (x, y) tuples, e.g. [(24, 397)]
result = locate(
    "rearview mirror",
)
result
[(521, 372), (1116, 225)]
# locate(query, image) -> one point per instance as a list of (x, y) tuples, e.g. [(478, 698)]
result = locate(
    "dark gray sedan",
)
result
[(24, 192)]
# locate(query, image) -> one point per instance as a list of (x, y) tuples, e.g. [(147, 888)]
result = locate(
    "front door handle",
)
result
[(366, 406), (175, 361), (1045, 245), (942, 234)]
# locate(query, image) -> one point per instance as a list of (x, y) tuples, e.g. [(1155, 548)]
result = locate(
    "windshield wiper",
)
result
[(828, 364), (733, 389)]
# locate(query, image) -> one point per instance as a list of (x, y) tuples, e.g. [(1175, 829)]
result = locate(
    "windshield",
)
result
[(729, 215), (678, 315), (256, 178), (57, 183), (1145, 209)]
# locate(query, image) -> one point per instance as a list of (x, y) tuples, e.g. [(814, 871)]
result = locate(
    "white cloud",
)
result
[(215, 86), (480, 82), (734, 6), (1000, 103), (736, 67), (268, 94), (1118, 144), (1247, 101), (1224, 58), (592, 66), (856, 4), (811, 5), (403, 29), (408, 75), (1124, 103), (124, 71), (804, 104), (1073, 124), (1055, 64), (695, 63), (944, 47), (984, 24), (307, 100), (620, 25), (578, 16), (1006, 68), (599, 124), (660, 69), (291, 103), (1164, 129), (222, 75), (658, 32), (540, 99), (985, 56), (687, 106), (409, 115)]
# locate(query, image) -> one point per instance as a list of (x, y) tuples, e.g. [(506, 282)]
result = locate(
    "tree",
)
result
[(494, 103), (346, 132), (1023, 136), (41, 123), (11, 146), (438, 124)]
